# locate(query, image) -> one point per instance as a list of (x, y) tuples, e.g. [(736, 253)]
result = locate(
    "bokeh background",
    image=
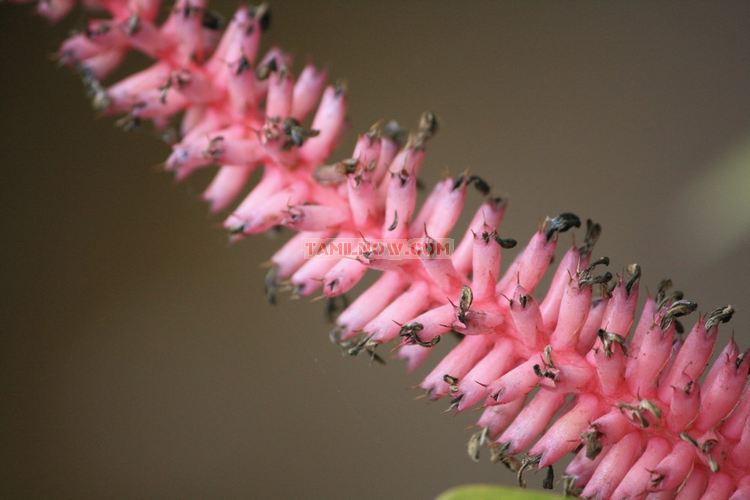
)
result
[(138, 356)]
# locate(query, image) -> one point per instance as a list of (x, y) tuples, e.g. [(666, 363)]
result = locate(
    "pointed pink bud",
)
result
[(568, 267), (343, 277), (330, 120), (720, 486), (515, 384), (590, 329), (489, 214)]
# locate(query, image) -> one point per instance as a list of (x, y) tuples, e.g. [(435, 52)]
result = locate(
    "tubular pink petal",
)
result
[(684, 404), (563, 436), (371, 302), (527, 319), (443, 379), (636, 481), (532, 420), (307, 91), (515, 384), (486, 265), (343, 277), (489, 214), (613, 467), (474, 386), (737, 420), (226, 186), (414, 355), (550, 306), (329, 120), (581, 468), (588, 334), (497, 418), (720, 487), (291, 256), (673, 469), (694, 486), (386, 325), (722, 387), (529, 267), (574, 307)]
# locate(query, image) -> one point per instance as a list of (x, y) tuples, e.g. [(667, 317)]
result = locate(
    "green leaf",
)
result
[(493, 492)]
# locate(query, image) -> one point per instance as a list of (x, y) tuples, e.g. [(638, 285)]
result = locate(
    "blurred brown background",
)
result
[(139, 358)]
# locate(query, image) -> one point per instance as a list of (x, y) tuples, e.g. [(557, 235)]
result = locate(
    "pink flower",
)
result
[(566, 373)]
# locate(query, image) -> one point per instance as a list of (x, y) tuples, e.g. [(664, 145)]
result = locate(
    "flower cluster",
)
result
[(569, 373)]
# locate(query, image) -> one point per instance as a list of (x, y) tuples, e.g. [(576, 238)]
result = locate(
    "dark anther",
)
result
[(271, 284), (506, 242), (689, 439), (634, 271), (339, 88), (609, 339), (212, 20), (393, 131), (656, 479), (459, 182), (129, 122), (464, 303), (560, 224), (480, 184), (523, 300), (428, 127), (452, 383), (592, 440), (593, 231), (677, 309), (719, 315), (242, 65), (296, 133), (237, 230), (263, 71), (549, 480), (394, 224), (662, 297), (410, 333), (334, 306), (739, 359), (585, 278), (476, 441), (133, 25), (263, 14), (164, 90), (94, 89), (569, 486), (527, 463), (215, 148)]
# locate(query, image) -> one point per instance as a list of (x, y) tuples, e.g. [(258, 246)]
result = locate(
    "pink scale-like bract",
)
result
[(573, 371)]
